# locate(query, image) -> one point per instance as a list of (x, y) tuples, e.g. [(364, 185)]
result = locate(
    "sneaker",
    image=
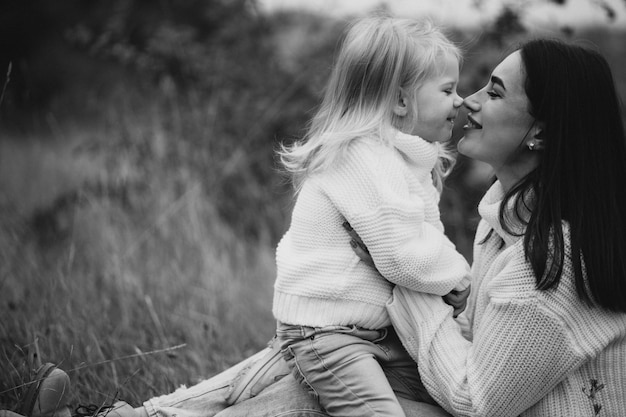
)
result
[(48, 394), (119, 409), (8, 413)]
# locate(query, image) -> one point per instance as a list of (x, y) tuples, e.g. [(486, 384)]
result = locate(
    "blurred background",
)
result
[(140, 202)]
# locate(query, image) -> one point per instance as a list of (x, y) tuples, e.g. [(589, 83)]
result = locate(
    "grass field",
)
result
[(96, 279)]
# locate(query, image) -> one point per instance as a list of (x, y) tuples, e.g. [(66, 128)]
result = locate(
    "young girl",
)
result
[(370, 159)]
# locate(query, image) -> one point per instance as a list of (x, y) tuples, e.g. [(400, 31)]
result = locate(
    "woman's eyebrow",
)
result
[(498, 80)]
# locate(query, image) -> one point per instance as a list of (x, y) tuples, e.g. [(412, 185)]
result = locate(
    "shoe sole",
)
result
[(33, 391)]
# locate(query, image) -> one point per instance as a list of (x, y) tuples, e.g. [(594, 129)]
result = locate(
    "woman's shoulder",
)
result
[(514, 274), (513, 277), (515, 282)]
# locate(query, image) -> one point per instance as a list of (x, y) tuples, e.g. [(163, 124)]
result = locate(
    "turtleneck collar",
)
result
[(419, 151), (489, 210)]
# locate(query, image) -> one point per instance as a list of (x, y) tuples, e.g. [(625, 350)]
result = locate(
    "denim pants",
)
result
[(284, 398), (352, 371)]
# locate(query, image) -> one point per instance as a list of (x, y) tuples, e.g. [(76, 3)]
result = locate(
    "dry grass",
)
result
[(109, 284)]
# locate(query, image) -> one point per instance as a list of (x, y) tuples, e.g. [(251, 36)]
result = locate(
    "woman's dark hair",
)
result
[(581, 176)]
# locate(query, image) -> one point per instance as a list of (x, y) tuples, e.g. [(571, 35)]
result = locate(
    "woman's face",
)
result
[(499, 125)]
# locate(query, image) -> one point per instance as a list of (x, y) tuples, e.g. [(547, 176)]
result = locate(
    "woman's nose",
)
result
[(471, 103)]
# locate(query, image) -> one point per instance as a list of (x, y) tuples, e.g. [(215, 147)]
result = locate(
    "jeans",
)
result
[(346, 368), (285, 398)]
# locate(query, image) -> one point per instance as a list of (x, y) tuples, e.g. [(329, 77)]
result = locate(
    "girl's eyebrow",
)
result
[(498, 80)]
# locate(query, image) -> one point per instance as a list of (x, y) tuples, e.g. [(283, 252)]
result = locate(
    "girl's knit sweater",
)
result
[(526, 352), (387, 195)]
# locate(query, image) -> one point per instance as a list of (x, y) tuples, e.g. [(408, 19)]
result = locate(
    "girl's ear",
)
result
[(401, 108)]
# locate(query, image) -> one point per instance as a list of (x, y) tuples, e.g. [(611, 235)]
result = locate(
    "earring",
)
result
[(534, 145), (531, 145)]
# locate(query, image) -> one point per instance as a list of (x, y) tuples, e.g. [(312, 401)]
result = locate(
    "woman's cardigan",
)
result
[(525, 352)]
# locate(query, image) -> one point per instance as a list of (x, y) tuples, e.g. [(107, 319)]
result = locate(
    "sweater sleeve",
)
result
[(525, 341), (517, 357), (372, 192)]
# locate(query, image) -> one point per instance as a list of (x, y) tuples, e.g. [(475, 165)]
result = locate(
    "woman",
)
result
[(544, 333), (547, 313)]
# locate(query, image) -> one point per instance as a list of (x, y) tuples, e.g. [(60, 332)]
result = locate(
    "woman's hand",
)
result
[(358, 246), (456, 299)]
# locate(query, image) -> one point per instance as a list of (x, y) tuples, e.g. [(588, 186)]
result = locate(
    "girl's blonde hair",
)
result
[(379, 56)]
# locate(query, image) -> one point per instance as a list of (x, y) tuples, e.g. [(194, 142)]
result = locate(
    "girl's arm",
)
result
[(372, 190), (455, 298)]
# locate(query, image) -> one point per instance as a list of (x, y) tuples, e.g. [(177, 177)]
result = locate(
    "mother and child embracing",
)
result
[(377, 313)]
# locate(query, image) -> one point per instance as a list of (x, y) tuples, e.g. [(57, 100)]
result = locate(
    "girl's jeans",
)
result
[(352, 371)]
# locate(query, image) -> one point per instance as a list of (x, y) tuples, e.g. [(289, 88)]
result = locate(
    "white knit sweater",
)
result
[(529, 353), (387, 195)]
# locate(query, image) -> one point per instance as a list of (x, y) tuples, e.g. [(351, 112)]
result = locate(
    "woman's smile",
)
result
[(472, 123)]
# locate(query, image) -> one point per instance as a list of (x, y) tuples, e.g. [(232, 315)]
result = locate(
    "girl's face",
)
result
[(499, 124), (437, 103)]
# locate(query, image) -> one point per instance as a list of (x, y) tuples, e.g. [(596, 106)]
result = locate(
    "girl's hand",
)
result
[(458, 300)]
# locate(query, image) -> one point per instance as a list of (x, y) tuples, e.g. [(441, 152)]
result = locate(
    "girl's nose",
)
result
[(458, 101)]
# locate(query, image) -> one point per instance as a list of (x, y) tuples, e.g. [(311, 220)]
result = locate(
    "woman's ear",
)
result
[(401, 107), (536, 142), (537, 131)]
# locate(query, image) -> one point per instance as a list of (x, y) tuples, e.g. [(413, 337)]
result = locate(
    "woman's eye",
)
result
[(493, 94)]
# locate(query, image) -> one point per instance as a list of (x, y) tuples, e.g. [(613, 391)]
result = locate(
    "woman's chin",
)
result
[(461, 146), (468, 149)]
